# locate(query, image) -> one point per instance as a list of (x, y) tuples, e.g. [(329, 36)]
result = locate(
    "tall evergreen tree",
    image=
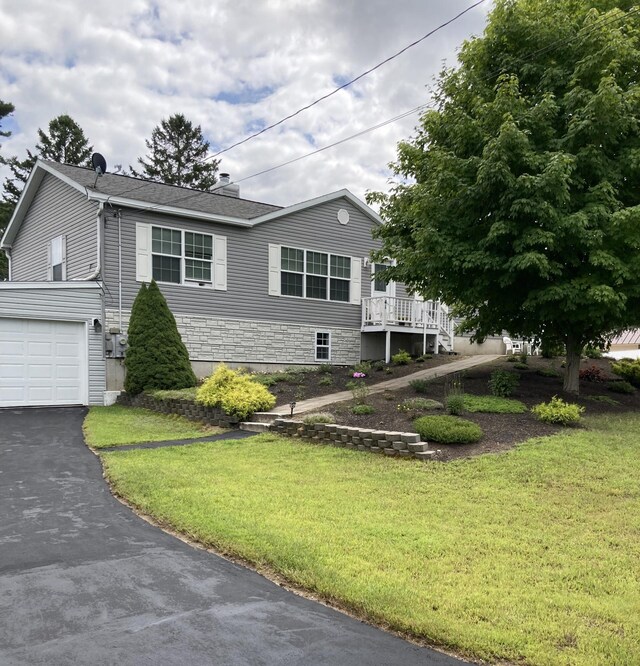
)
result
[(65, 142), (156, 356), (176, 156), (525, 210), (6, 108)]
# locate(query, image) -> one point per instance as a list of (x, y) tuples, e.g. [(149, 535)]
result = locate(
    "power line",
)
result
[(347, 84), (337, 143), (526, 58)]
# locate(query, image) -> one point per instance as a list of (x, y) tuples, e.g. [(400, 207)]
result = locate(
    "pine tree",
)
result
[(177, 154), (6, 209), (65, 143), (156, 356)]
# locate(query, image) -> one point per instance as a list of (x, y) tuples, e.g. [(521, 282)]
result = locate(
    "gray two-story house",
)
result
[(249, 283)]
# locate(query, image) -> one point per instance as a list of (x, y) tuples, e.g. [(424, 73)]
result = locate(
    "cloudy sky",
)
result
[(233, 67)]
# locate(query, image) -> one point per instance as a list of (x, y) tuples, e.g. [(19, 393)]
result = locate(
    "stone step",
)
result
[(266, 417), (254, 426)]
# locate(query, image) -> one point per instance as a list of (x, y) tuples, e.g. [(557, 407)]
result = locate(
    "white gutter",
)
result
[(96, 273)]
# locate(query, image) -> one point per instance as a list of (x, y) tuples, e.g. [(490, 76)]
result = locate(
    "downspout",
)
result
[(96, 273), (119, 216)]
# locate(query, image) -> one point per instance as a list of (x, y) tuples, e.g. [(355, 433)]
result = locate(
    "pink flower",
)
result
[(359, 375)]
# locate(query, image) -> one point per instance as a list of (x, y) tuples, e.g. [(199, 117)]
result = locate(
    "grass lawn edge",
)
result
[(270, 573)]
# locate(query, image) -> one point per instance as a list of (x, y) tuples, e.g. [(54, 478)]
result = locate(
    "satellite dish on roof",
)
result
[(99, 163)]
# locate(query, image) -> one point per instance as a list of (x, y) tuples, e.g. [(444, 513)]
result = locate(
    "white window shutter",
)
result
[(63, 243), (274, 270), (49, 264), (220, 263), (356, 280), (143, 252)]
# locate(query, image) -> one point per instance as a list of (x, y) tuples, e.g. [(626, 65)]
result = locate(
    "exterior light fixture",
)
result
[(293, 406)]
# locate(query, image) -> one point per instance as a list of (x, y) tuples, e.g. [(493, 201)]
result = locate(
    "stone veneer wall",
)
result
[(186, 408), (243, 341), (402, 444)]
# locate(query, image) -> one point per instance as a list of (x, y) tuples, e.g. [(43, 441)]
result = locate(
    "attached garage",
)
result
[(51, 350)]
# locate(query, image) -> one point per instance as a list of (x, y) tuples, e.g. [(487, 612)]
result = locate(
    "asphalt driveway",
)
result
[(85, 581)]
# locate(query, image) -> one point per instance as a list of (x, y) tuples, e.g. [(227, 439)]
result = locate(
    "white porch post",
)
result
[(424, 334), (387, 347)]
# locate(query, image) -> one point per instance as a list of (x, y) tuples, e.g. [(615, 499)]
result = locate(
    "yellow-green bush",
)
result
[(235, 392), (558, 411)]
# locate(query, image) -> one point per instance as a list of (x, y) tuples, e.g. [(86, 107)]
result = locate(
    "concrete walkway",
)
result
[(314, 404)]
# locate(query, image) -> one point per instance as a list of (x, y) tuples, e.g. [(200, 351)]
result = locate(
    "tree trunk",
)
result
[(572, 371)]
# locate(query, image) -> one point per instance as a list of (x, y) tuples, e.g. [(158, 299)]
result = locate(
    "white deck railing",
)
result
[(385, 311)]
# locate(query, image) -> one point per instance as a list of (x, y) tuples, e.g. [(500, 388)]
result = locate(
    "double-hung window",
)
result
[(180, 256), (309, 274)]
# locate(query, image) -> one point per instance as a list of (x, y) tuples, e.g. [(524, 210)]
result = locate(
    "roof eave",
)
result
[(166, 210), (26, 198), (317, 201)]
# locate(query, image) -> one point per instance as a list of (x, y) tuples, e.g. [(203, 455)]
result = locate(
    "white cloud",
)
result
[(118, 68)]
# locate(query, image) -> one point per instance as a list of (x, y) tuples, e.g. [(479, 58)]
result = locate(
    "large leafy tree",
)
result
[(525, 210), (177, 151), (156, 356)]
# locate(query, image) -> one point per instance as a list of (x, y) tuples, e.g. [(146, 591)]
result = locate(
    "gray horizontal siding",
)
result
[(247, 265), (67, 305), (56, 210)]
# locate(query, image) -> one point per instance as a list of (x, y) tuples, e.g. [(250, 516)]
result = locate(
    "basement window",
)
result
[(323, 346)]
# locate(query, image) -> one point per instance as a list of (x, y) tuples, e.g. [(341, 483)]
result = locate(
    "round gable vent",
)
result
[(343, 216)]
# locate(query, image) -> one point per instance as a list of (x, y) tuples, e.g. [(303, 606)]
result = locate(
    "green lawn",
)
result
[(117, 425), (531, 556)]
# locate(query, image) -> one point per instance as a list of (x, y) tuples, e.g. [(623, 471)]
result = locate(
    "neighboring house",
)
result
[(249, 283)]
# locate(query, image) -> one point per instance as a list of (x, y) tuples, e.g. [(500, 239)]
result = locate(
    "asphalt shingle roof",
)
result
[(169, 195)]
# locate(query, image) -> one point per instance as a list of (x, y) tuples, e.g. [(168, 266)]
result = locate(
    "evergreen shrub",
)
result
[(447, 429), (156, 357)]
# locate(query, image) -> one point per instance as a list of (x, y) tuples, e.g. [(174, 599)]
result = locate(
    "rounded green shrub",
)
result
[(235, 392), (156, 356), (503, 383), (558, 411), (421, 385), (447, 429), (455, 403), (361, 410), (628, 369), (520, 366), (401, 358)]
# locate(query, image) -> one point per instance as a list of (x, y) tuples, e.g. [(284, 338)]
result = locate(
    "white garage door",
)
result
[(42, 363)]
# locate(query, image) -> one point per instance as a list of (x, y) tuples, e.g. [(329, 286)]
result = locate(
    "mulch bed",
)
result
[(305, 385), (501, 431)]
